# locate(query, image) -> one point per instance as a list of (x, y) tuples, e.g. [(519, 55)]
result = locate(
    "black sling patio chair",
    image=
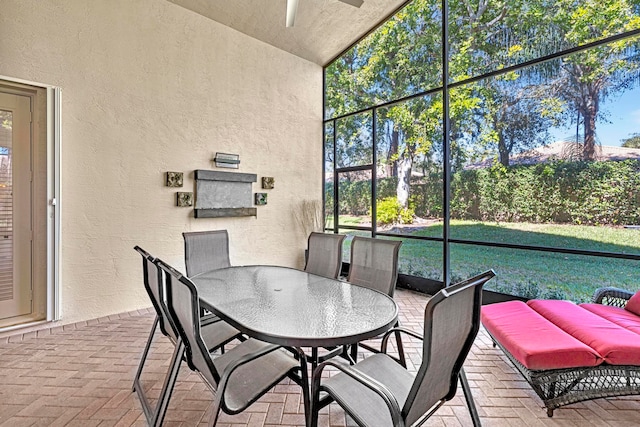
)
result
[(378, 392), (206, 251), (244, 373), (324, 254), (215, 334), (374, 265)]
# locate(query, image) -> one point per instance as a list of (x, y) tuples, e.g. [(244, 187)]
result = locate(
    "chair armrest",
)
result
[(364, 379), (612, 296), (243, 360), (385, 338)]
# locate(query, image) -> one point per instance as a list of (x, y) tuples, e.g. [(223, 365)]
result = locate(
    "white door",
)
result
[(15, 206)]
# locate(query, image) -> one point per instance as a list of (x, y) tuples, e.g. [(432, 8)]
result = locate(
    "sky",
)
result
[(622, 120)]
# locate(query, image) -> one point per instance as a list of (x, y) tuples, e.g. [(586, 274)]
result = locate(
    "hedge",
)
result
[(594, 193)]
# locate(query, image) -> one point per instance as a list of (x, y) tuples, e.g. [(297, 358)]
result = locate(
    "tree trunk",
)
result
[(590, 113), (392, 168), (404, 180), (504, 153)]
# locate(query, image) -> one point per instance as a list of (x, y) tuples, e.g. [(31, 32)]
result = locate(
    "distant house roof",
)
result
[(563, 150)]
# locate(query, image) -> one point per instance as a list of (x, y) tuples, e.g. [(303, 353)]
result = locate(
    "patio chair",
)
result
[(215, 334), (206, 251), (244, 373), (378, 392), (324, 254), (374, 264)]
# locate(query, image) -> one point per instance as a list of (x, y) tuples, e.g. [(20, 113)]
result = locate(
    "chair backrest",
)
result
[(206, 251), (324, 254), (451, 323), (154, 285), (374, 263), (184, 310)]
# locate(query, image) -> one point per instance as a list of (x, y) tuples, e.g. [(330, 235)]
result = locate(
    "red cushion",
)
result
[(633, 305), (532, 340), (618, 346), (616, 315)]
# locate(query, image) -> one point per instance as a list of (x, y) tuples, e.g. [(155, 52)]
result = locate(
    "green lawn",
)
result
[(530, 273)]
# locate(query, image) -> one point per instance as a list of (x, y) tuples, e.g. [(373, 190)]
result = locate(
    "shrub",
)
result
[(389, 211), (591, 193)]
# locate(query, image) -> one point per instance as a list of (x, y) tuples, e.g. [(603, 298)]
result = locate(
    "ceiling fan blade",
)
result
[(356, 3), (292, 7)]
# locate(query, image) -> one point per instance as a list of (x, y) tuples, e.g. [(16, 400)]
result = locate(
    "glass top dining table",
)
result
[(290, 307)]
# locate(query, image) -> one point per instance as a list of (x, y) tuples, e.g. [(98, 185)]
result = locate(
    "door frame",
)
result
[(46, 129)]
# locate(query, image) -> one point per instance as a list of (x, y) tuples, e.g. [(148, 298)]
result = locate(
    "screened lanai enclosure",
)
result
[(515, 145)]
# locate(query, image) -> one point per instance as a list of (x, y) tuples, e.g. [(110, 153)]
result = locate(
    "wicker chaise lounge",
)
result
[(570, 353)]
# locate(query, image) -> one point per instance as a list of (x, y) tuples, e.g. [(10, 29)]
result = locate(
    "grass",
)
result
[(532, 274)]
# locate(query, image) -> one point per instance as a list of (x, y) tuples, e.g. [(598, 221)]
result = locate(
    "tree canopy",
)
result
[(497, 116), (632, 141)]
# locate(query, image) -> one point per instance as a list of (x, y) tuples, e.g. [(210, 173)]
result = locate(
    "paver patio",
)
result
[(81, 375)]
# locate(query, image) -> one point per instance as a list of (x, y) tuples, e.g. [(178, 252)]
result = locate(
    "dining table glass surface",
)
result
[(291, 307)]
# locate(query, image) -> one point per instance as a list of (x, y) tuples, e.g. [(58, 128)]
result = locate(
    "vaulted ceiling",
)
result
[(322, 30)]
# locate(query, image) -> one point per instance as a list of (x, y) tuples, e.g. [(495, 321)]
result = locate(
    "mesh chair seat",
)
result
[(248, 382), (218, 333), (365, 404)]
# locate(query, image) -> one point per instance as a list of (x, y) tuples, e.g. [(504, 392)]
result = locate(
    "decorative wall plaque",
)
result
[(174, 179), (261, 199), (268, 182), (184, 199)]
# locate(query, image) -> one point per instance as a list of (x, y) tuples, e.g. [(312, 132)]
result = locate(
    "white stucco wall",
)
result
[(149, 87)]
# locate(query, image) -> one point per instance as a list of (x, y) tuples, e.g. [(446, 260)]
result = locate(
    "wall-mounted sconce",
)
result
[(225, 160)]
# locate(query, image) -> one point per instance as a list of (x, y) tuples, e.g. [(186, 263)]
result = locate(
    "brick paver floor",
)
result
[(80, 375)]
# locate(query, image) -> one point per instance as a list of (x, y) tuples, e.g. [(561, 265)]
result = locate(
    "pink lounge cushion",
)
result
[(633, 305), (617, 315), (618, 346), (535, 342)]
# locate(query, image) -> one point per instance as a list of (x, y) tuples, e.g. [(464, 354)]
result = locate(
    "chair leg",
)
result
[(306, 392), (315, 401), (314, 358), (354, 353), (216, 411), (169, 383), (136, 379), (218, 394), (400, 348), (469, 398)]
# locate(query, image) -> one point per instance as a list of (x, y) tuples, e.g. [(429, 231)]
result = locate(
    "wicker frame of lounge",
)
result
[(559, 387)]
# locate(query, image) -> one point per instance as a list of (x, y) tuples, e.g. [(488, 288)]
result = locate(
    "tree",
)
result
[(632, 141), (516, 121), (587, 78), (507, 114)]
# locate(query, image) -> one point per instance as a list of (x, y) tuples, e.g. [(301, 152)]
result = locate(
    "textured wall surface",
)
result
[(150, 87)]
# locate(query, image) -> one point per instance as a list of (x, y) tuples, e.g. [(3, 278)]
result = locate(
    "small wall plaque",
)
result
[(174, 179), (261, 199), (184, 199), (268, 182)]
